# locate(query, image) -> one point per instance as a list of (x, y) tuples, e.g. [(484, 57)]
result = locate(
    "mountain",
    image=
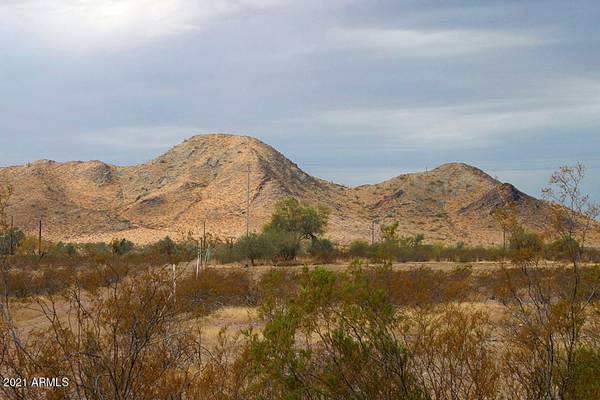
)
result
[(205, 179)]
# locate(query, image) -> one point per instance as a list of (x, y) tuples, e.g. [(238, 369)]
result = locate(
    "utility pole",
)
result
[(204, 246), (248, 201), (174, 285), (372, 232), (12, 227), (40, 239), (198, 258)]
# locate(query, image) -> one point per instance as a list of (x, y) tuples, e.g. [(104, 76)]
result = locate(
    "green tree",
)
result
[(522, 240), (304, 220), (292, 222), (121, 247), (254, 246), (286, 245)]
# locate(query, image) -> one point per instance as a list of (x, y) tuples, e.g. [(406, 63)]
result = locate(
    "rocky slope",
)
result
[(205, 179)]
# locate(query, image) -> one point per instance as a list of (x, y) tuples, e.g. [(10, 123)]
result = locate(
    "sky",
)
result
[(352, 91)]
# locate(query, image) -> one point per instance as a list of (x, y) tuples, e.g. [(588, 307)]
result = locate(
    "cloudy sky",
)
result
[(352, 91)]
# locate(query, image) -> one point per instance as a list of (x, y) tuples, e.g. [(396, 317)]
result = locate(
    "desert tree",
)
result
[(292, 222), (506, 218), (254, 246), (305, 220), (123, 342), (545, 316)]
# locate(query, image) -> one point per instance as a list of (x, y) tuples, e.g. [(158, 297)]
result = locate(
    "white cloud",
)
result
[(136, 138), (428, 43), (92, 23), (569, 104)]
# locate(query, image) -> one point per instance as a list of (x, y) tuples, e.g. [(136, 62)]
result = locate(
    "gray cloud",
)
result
[(406, 43), (353, 91)]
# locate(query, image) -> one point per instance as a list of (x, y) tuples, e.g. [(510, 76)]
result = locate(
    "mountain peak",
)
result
[(223, 138), (460, 167), (205, 178)]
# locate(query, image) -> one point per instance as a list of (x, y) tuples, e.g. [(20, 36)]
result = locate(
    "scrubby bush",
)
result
[(336, 337), (62, 249), (255, 247), (10, 240), (121, 246), (322, 250), (360, 249)]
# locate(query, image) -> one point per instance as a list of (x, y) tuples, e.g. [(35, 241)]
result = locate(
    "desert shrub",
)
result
[(10, 240), (524, 246), (322, 250), (226, 253), (274, 289), (61, 249), (28, 246), (165, 246), (224, 372), (254, 247), (92, 249), (17, 283), (121, 246), (334, 339), (53, 280), (423, 286), (585, 383), (214, 289), (126, 345), (360, 249), (166, 250), (286, 245), (452, 354)]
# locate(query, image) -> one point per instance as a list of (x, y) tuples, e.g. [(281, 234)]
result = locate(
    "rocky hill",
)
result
[(205, 179)]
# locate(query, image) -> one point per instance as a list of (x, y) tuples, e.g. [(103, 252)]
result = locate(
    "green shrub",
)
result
[(15, 237), (254, 247), (360, 249), (322, 250)]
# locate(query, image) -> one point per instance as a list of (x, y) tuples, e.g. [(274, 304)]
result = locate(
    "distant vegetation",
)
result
[(294, 235)]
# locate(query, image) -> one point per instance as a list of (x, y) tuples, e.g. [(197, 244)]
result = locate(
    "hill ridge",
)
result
[(204, 178)]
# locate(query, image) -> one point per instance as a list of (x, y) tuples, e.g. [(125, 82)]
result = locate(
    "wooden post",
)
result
[(248, 201), (12, 227), (174, 285), (372, 232), (198, 258), (40, 238), (204, 244)]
